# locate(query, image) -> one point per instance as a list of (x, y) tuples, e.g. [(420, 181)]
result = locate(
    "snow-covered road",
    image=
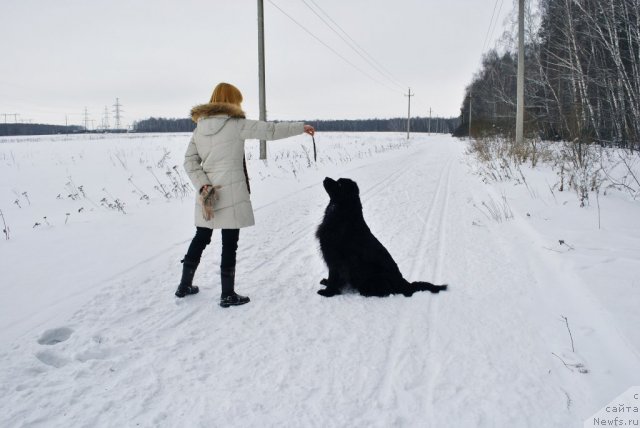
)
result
[(486, 353)]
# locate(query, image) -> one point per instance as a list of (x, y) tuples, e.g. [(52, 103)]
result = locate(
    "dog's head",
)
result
[(342, 190)]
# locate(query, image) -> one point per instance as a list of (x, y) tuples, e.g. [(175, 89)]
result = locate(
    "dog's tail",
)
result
[(424, 286)]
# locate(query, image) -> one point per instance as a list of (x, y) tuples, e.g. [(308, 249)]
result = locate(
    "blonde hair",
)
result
[(226, 93)]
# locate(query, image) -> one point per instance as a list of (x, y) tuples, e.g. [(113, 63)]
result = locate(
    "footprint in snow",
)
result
[(93, 354), (55, 335), (52, 359)]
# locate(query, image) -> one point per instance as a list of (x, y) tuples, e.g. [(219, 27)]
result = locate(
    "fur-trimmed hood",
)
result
[(216, 109)]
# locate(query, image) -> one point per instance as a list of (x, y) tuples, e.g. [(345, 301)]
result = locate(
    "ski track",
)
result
[(468, 357), (435, 367), (395, 355)]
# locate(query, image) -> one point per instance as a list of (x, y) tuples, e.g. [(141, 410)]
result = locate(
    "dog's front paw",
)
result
[(324, 281), (328, 292)]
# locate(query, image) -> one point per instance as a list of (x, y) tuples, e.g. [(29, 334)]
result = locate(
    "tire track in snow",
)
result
[(395, 350), (434, 365)]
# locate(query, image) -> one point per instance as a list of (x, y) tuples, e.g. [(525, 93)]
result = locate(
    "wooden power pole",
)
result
[(409, 95), (262, 96), (520, 90), (470, 97)]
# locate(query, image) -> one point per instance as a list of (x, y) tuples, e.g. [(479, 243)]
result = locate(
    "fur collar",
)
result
[(215, 109)]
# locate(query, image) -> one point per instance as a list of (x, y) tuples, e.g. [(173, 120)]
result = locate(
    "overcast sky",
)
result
[(162, 57)]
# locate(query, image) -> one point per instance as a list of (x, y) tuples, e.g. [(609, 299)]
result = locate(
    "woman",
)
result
[(216, 166)]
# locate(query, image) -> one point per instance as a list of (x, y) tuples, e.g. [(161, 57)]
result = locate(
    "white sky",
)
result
[(162, 57)]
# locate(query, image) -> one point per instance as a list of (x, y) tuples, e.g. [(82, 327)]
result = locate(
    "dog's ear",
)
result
[(355, 187)]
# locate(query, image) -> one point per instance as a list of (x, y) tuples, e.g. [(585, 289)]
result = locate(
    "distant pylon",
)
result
[(86, 118), (117, 112), (15, 117), (105, 119)]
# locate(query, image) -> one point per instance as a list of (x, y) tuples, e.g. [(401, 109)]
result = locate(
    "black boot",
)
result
[(188, 270), (229, 296)]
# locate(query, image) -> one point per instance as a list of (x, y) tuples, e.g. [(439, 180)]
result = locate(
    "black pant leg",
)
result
[(198, 244), (229, 246)]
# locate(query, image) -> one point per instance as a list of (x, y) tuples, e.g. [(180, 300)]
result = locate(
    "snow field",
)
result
[(107, 344)]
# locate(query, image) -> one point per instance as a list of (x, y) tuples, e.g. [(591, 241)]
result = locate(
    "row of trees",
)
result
[(37, 129), (582, 77), (418, 124), (158, 124)]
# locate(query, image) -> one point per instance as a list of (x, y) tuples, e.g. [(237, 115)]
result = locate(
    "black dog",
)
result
[(353, 255)]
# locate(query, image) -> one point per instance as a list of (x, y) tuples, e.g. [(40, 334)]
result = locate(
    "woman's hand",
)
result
[(308, 129)]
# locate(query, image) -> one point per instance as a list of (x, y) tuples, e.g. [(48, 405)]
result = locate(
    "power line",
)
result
[(332, 50), (492, 23), (495, 6), (403, 85), (354, 45), (495, 24)]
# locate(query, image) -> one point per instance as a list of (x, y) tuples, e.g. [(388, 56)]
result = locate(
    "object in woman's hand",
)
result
[(207, 197)]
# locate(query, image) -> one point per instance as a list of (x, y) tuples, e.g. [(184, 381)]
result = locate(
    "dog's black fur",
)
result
[(353, 255)]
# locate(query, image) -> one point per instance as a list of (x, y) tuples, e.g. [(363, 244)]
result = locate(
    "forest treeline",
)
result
[(153, 124), (418, 124), (582, 77), (37, 129), (159, 124)]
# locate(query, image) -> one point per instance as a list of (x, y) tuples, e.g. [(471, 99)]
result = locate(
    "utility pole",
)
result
[(409, 95), (117, 111), (429, 120), (470, 97), (261, 77), (520, 108)]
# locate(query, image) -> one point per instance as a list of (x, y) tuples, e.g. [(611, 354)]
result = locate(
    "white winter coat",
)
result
[(215, 156)]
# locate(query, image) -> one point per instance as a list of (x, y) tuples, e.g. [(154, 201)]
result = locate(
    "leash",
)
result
[(315, 155)]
